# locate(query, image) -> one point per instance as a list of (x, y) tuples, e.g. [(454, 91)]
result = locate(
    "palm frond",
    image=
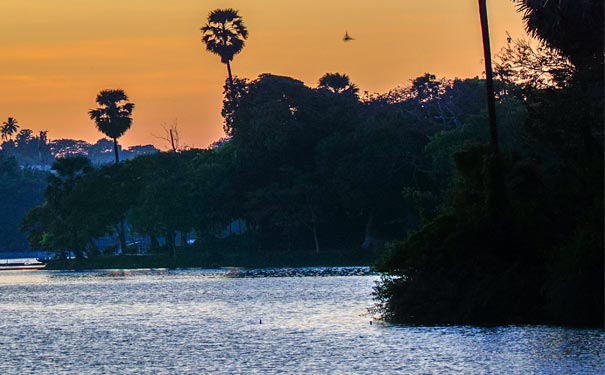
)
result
[(224, 33), (113, 117)]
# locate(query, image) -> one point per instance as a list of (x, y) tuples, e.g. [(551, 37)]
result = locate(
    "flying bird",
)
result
[(347, 37)]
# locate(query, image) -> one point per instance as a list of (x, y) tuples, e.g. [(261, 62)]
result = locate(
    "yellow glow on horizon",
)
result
[(55, 56)]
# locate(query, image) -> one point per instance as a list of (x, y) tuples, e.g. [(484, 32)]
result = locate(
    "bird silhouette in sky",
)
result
[(347, 37)]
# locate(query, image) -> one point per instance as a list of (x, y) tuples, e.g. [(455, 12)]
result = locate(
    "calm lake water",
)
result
[(314, 321)]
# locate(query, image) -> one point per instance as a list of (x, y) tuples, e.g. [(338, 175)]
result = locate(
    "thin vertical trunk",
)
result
[(115, 150), (489, 80), (496, 189), (229, 72), (172, 141), (122, 226)]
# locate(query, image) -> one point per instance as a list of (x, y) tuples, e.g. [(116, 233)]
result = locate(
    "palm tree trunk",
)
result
[(229, 72), (115, 149), (489, 80), (496, 189), (122, 227)]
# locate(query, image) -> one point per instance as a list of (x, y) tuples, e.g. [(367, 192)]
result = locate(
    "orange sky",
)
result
[(55, 56)]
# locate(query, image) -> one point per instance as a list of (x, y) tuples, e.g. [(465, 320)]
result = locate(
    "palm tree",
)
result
[(113, 118), (224, 35), (9, 127)]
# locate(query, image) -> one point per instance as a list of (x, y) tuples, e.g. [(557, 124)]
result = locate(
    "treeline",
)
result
[(25, 162), (303, 169), (20, 190), (37, 150), (519, 238)]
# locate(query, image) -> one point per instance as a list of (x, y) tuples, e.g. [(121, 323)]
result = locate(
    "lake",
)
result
[(286, 321)]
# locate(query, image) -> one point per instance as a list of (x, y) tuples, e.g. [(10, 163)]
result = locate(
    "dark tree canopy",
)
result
[(20, 190), (539, 257), (338, 83), (574, 27)]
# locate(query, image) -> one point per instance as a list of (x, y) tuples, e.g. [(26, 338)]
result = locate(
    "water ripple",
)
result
[(233, 321)]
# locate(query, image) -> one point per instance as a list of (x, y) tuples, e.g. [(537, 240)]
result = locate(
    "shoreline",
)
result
[(215, 260)]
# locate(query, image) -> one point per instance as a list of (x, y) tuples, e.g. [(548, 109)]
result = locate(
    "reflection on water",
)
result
[(17, 277), (314, 321)]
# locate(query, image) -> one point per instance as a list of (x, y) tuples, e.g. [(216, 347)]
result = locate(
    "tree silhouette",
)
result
[(338, 83), (113, 118), (224, 35), (9, 127), (61, 223), (573, 27)]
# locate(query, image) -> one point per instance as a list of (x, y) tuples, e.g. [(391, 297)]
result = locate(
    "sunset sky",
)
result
[(55, 56)]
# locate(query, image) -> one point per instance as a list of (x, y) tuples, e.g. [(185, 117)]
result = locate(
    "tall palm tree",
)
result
[(113, 119), (224, 35), (114, 116), (9, 127)]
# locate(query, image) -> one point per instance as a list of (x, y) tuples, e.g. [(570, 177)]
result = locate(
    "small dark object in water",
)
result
[(260, 321), (370, 322)]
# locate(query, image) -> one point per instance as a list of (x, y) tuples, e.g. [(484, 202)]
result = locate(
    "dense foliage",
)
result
[(519, 238), (304, 170), (20, 190)]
